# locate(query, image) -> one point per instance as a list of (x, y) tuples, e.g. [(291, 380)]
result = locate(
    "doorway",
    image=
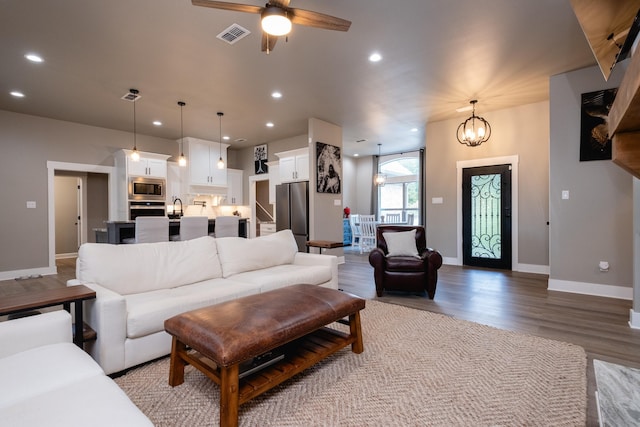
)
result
[(486, 216), (514, 162)]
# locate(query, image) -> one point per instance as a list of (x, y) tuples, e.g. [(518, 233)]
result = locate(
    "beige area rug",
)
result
[(418, 368)]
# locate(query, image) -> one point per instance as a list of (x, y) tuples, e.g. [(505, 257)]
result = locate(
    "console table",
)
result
[(33, 300)]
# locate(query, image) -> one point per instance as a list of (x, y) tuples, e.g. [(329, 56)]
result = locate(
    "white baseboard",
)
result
[(533, 268), (634, 319), (44, 271), (594, 289)]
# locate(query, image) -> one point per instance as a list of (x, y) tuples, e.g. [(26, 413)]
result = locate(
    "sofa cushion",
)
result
[(96, 401), (238, 255), (148, 311), (142, 267), (286, 275), (43, 370)]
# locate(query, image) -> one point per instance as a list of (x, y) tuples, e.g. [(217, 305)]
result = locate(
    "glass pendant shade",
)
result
[(475, 130), (275, 21)]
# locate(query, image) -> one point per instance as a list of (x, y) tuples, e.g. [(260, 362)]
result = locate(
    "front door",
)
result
[(486, 216)]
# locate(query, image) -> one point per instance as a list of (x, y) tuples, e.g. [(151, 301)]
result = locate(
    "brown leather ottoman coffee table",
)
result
[(288, 322)]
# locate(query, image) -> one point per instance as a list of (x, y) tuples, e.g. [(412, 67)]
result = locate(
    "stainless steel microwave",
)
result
[(147, 188)]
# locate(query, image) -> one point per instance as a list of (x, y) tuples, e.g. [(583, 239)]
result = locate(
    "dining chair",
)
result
[(355, 230), (150, 229), (192, 227), (227, 226), (393, 218), (367, 232)]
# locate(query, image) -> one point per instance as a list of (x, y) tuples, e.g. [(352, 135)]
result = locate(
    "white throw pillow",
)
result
[(402, 243)]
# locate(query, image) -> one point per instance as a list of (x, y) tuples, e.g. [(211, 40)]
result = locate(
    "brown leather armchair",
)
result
[(405, 273)]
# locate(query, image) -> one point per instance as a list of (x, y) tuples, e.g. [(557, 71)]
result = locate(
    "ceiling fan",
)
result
[(277, 17)]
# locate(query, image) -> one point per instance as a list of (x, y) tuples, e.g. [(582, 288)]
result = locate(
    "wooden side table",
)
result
[(34, 300)]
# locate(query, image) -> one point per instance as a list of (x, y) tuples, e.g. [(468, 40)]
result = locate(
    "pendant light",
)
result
[(379, 179), (220, 161), (135, 156), (475, 130), (182, 160)]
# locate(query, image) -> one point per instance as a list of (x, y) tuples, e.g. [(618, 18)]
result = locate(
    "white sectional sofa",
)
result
[(139, 286), (46, 380)]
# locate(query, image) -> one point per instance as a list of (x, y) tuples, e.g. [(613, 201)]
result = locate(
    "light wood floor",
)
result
[(507, 300)]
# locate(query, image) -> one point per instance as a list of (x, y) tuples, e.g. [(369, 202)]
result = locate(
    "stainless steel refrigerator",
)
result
[(292, 211)]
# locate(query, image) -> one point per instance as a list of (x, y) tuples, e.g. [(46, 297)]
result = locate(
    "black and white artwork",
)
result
[(329, 168), (595, 142), (260, 158)]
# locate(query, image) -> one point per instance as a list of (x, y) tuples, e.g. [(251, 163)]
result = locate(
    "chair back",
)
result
[(393, 218), (227, 226), (192, 227), (152, 229), (421, 240)]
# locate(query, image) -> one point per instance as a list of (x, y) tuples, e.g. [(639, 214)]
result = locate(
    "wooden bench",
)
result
[(220, 339)]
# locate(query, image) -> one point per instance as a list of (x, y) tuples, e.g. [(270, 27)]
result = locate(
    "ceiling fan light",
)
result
[(275, 21)]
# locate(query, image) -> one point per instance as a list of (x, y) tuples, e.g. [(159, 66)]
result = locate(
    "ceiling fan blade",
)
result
[(237, 7), (270, 39), (318, 20)]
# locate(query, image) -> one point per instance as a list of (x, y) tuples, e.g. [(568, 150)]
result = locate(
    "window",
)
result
[(401, 194)]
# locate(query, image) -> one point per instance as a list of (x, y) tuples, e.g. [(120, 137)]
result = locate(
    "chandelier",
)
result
[(475, 130)]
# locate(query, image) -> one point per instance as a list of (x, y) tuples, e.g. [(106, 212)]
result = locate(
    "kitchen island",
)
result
[(117, 231)]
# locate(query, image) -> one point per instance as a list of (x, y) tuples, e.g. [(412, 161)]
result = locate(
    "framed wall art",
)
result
[(260, 159), (329, 165), (595, 143)]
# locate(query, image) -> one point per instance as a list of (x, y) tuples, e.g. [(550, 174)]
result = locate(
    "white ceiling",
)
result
[(437, 56)]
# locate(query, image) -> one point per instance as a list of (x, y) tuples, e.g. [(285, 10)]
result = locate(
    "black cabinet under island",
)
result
[(117, 231)]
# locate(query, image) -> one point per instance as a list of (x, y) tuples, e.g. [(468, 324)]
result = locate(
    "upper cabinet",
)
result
[(294, 165), (202, 163), (234, 187), (151, 165)]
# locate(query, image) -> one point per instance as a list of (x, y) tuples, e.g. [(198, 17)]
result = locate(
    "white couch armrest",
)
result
[(331, 261), (34, 331), (107, 315)]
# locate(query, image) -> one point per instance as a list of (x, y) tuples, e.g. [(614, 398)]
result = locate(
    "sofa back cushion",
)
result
[(238, 254), (143, 267)]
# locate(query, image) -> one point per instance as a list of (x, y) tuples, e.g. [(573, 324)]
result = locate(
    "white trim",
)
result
[(8, 275), (533, 268), (503, 160), (450, 261), (52, 167), (607, 291), (634, 319), (252, 200)]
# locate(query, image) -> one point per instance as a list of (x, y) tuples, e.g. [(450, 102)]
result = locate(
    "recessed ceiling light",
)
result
[(375, 57), (17, 94), (276, 95), (34, 57), (157, 123), (270, 124)]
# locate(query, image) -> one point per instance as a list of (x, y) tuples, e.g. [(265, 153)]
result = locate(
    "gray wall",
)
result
[(522, 131), (28, 142), (595, 224)]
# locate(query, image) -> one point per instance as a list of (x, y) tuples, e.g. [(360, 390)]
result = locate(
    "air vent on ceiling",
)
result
[(234, 33), (131, 97)]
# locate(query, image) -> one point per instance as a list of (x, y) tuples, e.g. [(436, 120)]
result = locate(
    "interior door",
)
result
[(486, 216)]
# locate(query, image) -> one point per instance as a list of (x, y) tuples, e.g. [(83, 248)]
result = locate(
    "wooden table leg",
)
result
[(356, 331), (229, 396), (176, 367)]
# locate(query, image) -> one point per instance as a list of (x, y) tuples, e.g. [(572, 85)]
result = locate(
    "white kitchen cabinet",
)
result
[(202, 162), (294, 165), (234, 187), (274, 179), (150, 165)]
